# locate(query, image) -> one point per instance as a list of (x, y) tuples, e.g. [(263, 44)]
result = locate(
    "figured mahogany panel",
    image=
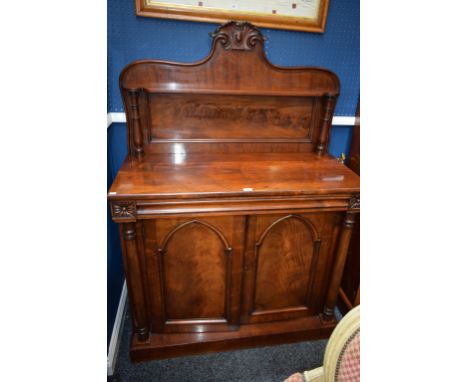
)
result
[(288, 265), (195, 262), (227, 117), (284, 259), (195, 271)]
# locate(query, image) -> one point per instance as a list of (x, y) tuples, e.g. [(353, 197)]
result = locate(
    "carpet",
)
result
[(266, 364)]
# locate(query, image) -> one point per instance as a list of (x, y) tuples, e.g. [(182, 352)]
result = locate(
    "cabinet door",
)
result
[(288, 261), (194, 273)]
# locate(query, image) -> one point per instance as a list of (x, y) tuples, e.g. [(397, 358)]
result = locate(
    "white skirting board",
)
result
[(117, 332), (337, 120)]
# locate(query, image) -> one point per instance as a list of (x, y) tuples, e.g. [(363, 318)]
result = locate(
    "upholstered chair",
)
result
[(342, 355)]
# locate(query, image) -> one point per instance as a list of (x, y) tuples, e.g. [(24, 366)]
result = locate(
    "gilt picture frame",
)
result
[(299, 15)]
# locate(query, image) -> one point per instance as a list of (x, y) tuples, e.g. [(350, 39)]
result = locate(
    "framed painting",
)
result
[(300, 15)]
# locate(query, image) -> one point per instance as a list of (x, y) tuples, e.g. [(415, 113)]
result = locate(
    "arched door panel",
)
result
[(192, 292), (198, 263), (284, 257), (285, 265)]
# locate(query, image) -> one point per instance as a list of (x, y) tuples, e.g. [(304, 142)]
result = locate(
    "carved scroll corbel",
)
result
[(354, 202), (236, 35), (123, 211)]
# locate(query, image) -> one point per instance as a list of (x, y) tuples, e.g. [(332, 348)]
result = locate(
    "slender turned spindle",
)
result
[(134, 279), (135, 124), (326, 124), (338, 266)]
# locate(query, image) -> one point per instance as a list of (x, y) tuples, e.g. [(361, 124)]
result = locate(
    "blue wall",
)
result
[(132, 38)]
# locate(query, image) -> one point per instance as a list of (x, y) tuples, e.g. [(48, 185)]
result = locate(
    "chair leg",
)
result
[(315, 375)]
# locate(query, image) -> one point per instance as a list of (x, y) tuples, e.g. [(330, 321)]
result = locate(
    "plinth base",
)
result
[(172, 345)]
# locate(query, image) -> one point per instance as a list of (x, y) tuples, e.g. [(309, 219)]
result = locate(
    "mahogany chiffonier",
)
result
[(234, 220)]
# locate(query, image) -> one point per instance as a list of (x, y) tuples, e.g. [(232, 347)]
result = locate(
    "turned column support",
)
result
[(134, 124), (134, 279), (338, 266), (322, 143)]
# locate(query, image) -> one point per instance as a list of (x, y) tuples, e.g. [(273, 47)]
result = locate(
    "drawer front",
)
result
[(288, 264), (194, 269)]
